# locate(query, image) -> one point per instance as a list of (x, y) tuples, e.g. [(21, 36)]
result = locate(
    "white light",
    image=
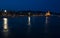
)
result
[(5, 24), (29, 20), (5, 10)]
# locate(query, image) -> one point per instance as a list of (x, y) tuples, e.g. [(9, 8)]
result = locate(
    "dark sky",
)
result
[(44, 5)]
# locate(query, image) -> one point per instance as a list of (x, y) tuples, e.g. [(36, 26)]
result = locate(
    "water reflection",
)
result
[(29, 23), (46, 24), (5, 28), (29, 30), (5, 24), (46, 21), (6, 34), (46, 27)]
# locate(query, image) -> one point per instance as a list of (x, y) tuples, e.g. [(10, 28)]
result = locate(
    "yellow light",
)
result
[(5, 24), (48, 13)]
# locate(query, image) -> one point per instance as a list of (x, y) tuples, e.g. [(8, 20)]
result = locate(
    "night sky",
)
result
[(40, 5)]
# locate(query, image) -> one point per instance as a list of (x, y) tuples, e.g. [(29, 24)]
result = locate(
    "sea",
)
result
[(39, 27)]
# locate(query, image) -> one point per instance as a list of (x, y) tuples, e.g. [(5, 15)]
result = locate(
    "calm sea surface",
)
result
[(40, 27)]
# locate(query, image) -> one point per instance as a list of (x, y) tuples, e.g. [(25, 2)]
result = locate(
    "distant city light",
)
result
[(48, 13), (5, 10)]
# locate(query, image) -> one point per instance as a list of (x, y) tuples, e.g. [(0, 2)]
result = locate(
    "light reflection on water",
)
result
[(29, 23), (5, 34), (46, 24), (46, 20), (5, 31), (5, 24), (34, 30)]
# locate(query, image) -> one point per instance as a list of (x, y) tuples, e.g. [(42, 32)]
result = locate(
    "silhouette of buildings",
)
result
[(10, 13)]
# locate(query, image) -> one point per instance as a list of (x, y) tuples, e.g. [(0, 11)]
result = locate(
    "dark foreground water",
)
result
[(41, 27)]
